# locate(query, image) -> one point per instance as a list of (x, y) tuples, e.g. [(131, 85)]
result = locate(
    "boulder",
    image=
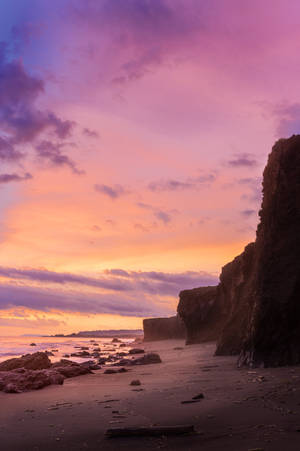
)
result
[(134, 351), (21, 380), (147, 359), (35, 361)]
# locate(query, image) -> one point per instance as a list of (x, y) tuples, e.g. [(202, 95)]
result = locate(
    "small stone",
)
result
[(135, 382)]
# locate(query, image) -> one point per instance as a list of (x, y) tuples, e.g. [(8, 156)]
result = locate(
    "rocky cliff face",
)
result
[(255, 310), (163, 328), (273, 335), (199, 312)]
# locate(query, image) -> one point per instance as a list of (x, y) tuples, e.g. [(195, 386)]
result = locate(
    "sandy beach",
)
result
[(242, 409)]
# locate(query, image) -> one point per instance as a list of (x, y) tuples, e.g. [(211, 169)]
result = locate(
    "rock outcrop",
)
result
[(35, 371), (198, 310), (273, 334), (163, 328), (36, 361), (255, 310)]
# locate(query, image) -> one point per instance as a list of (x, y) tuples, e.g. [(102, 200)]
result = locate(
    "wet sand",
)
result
[(242, 409)]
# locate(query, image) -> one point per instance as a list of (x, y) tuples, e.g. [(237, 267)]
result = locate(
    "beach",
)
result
[(242, 409)]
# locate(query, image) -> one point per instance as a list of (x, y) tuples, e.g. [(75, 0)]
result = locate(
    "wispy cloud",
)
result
[(243, 160), (7, 178), (114, 192)]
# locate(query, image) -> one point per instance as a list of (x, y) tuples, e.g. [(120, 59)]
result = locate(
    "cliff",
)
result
[(255, 310), (163, 328), (199, 312), (273, 334)]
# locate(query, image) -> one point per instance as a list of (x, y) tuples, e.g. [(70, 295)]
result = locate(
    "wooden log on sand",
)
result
[(149, 431)]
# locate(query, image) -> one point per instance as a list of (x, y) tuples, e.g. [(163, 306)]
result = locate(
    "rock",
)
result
[(272, 337), (136, 351), (122, 345), (255, 310), (163, 328), (81, 354), (67, 368), (116, 340), (21, 380), (67, 355), (35, 361), (122, 370), (110, 371), (147, 359), (102, 360), (49, 353), (135, 382), (84, 348), (96, 349), (32, 344)]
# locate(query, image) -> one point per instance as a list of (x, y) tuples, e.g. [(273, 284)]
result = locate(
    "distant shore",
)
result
[(241, 409), (122, 333)]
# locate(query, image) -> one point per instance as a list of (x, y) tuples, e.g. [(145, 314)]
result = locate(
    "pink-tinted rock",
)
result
[(36, 361), (22, 380)]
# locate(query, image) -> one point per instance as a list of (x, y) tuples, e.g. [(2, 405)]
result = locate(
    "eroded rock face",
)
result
[(255, 310), (197, 308), (163, 328), (273, 335), (235, 296), (36, 361)]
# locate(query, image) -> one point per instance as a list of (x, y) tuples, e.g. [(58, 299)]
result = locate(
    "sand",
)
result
[(241, 409)]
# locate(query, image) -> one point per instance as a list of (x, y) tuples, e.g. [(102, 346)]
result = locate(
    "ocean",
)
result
[(60, 346)]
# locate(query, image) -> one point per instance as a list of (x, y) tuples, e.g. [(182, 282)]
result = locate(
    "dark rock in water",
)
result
[(49, 353), (199, 312), (135, 382), (163, 328), (116, 340), (122, 345), (81, 354), (67, 355), (147, 359), (136, 351), (84, 348), (36, 361), (32, 344), (102, 360)]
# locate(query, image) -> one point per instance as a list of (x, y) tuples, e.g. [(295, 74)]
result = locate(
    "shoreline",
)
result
[(242, 409)]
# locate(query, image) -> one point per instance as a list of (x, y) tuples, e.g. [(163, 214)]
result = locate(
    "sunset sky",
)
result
[(133, 135)]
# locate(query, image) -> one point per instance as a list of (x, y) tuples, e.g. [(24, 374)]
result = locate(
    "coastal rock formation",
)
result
[(273, 335), (35, 371), (36, 361), (255, 310), (163, 328), (199, 312)]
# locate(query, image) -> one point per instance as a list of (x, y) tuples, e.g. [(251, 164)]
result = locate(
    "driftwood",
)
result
[(149, 431)]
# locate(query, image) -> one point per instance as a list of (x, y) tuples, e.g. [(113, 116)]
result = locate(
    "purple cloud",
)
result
[(90, 133), (248, 213), (117, 280), (243, 160), (50, 152), (7, 178), (162, 216), (288, 118), (114, 192), (21, 121), (176, 185)]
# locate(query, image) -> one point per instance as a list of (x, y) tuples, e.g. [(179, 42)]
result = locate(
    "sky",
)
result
[(133, 136)]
